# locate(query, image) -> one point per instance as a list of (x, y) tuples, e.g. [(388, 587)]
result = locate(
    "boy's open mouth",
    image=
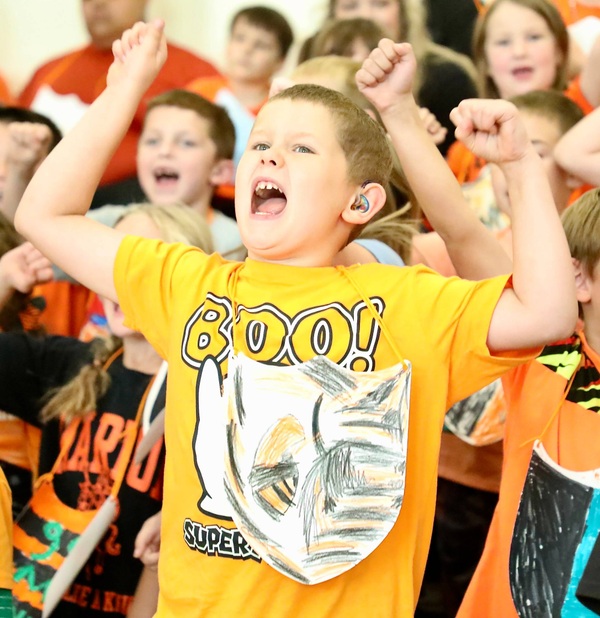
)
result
[(268, 199), (165, 176)]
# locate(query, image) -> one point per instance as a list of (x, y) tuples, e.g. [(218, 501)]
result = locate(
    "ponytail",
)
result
[(80, 396)]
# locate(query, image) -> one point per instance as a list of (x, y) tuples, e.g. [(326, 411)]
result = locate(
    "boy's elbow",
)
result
[(20, 222), (24, 221), (562, 324)]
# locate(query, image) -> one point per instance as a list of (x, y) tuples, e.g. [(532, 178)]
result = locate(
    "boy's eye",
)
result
[(303, 150), (260, 146), (150, 141)]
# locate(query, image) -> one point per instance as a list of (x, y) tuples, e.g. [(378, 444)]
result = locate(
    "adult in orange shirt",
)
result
[(64, 88)]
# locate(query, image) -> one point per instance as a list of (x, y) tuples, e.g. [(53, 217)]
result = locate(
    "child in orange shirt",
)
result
[(542, 553)]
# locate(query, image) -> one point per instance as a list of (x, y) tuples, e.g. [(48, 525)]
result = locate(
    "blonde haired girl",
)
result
[(91, 424)]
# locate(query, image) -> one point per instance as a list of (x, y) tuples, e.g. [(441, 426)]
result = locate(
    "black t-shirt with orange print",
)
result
[(29, 366)]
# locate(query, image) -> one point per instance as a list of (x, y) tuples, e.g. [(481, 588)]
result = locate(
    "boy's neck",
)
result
[(250, 94)]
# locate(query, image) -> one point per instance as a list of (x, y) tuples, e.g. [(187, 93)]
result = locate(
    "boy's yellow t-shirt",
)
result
[(6, 564), (181, 300)]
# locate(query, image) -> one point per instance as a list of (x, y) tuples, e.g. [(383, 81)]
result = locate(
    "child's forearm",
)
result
[(542, 267), (473, 249), (14, 189), (578, 150)]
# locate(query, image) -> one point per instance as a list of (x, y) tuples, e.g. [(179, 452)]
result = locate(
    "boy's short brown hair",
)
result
[(270, 20), (552, 105), (221, 129), (581, 222), (363, 141)]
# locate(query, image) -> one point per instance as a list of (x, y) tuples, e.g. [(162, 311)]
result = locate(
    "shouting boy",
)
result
[(291, 459)]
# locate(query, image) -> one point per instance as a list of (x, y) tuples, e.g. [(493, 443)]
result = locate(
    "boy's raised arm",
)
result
[(51, 212), (578, 150), (28, 145), (386, 79), (541, 306)]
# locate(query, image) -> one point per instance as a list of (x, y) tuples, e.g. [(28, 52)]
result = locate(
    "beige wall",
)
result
[(33, 31)]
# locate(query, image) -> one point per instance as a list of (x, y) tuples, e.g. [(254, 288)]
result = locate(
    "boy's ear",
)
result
[(367, 202), (222, 173), (582, 282)]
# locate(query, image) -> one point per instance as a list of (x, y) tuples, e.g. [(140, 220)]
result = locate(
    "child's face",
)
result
[(385, 13), (137, 224), (253, 53), (176, 157), (292, 182), (544, 134), (106, 20), (521, 51)]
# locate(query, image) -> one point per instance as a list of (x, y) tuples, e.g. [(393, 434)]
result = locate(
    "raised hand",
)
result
[(22, 268), (433, 126), (387, 74), (138, 55), (28, 145), (491, 129), (147, 542)]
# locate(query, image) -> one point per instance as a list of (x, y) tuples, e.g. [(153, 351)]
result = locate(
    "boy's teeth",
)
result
[(267, 186)]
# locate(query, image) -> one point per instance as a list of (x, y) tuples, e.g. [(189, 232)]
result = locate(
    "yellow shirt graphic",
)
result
[(185, 302)]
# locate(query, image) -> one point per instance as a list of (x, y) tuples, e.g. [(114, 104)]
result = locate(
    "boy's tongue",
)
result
[(269, 200), (271, 205)]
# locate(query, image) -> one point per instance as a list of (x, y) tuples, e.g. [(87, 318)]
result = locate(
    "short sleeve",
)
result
[(146, 274), (450, 320), (473, 365)]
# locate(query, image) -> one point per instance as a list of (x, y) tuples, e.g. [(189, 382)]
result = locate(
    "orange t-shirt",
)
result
[(537, 546), (6, 97), (63, 87), (66, 307), (6, 567), (572, 11)]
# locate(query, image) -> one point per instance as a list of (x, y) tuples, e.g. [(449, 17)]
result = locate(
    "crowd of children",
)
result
[(325, 343)]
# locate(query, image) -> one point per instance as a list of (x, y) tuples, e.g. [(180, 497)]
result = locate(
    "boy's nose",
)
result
[(271, 157)]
